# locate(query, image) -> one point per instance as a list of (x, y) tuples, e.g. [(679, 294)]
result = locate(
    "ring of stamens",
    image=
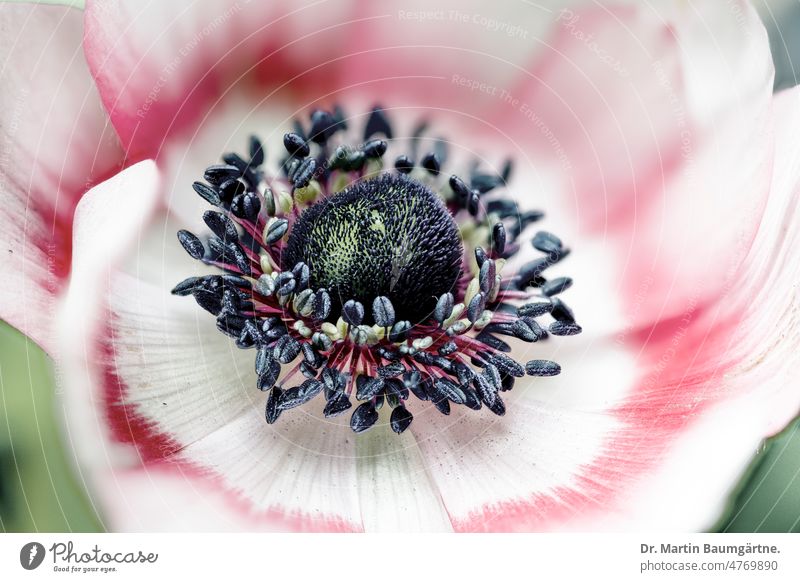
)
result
[(358, 283)]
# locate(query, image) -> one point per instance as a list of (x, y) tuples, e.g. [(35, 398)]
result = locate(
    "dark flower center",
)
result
[(388, 236), (393, 286)]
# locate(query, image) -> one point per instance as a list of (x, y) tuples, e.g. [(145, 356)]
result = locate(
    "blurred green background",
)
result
[(40, 491), (38, 487)]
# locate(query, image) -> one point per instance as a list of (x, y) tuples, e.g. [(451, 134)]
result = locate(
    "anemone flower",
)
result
[(344, 267)]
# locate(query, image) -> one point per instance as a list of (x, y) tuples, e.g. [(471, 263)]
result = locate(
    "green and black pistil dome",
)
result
[(388, 236)]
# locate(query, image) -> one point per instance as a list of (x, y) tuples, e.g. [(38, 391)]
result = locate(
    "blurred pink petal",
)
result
[(664, 143), (159, 80), (56, 143)]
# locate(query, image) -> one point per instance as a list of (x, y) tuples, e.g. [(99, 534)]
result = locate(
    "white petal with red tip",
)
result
[(303, 467), (190, 378), (108, 221), (160, 498), (658, 118), (710, 387), (159, 80), (56, 143), (512, 472)]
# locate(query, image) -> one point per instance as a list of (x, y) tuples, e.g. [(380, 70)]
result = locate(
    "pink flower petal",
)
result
[(656, 117), (705, 390), (465, 57), (159, 80), (56, 143)]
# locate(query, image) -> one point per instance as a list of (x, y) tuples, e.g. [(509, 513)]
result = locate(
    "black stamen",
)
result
[(363, 417), (367, 387), (286, 349), (563, 328), (322, 124), (322, 305), (431, 164), (276, 230), (403, 164), (374, 148), (399, 331), (528, 330), (413, 381), (305, 171), (273, 405), (377, 123), (185, 287), (220, 225), (476, 307), (353, 312), (561, 312), (391, 370), (256, 151), (556, 286), (480, 256), (546, 242), (383, 311), (191, 244), (337, 404), (231, 189), (285, 284), (535, 309), (401, 419), (444, 307), (474, 203), (220, 173), (542, 368), (460, 189), (207, 193), (296, 145), (485, 182), (246, 205), (302, 274), (487, 275), (300, 394), (499, 237), (442, 387)]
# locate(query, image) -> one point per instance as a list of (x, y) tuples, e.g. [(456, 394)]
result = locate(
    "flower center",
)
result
[(357, 282), (388, 236)]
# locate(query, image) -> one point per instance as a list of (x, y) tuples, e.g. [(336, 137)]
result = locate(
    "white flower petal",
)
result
[(395, 489), (526, 470), (107, 223), (56, 142)]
